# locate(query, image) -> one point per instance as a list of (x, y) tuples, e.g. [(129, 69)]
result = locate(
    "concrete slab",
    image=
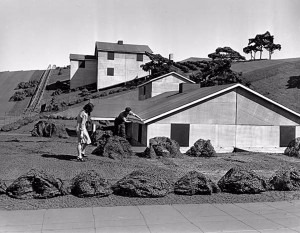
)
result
[(127, 229), (198, 218), (161, 214), (262, 224), (117, 213), (22, 217), (70, 215), (219, 226), (174, 228)]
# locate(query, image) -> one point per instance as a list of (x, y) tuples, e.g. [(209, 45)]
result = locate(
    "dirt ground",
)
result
[(21, 152)]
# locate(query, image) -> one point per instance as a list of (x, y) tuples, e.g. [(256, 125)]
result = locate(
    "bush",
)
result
[(25, 85)]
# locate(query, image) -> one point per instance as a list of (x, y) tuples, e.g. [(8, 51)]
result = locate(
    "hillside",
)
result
[(8, 83), (278, 80)]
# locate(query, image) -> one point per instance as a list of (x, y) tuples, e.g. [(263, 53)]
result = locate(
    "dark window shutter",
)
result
[(287, 134), (110, 71), (139, 57), (181, 134), (110, 56)]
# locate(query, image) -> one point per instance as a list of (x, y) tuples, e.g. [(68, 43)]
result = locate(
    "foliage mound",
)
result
[(36, 184), (162, 147), (143, 184), (293, 148), (240, 180), (89, 184), (201, 148), (194, 183)]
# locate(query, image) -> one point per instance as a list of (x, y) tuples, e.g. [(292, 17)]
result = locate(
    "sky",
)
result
[(36, 33)]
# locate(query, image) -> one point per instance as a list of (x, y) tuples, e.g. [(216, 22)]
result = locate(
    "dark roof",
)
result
[(81, 57), (169, 102), (175, 101), (123, 48)]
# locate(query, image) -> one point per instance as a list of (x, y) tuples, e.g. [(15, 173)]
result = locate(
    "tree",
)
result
[(260, 42), (216, 72), (226, 53), (158, 65), (271, 48)]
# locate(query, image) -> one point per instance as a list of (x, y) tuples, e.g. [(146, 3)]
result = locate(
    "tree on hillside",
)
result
[(226, 53), (271, 48), (260, 42), (216, 72), (158, 65), (252, 49)]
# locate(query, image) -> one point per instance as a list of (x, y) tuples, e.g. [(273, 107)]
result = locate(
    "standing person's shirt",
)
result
[(123, 116)]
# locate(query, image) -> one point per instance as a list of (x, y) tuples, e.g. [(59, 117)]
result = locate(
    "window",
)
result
[(110, 56), (81, 64), (110, 71), (287, 134), (144, 90), (139, 57), (181, 134)]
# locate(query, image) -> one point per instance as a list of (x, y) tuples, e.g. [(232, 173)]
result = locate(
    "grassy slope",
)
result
[(271, 79), (8, 82)]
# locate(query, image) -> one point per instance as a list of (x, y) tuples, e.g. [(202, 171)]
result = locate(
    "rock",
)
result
[(287, 179), (242, 181), (98, 135), (35, 184), (113, 147), (201, 148), (49, 129), (2, 187), (194, 183), (163, 147), (143, 184), (90, 184), (293, 149)]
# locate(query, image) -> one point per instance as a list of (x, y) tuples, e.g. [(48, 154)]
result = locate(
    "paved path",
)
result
[(264, 217)]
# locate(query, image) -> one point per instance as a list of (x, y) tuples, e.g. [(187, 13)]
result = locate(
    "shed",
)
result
[(162, 84), (231, 116)]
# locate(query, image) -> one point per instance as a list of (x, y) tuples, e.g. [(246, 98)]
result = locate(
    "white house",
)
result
[(111, 64)]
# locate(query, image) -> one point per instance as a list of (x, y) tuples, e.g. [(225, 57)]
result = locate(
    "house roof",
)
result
[(167, 103), (179, 76), (81, 57), (123, 48)]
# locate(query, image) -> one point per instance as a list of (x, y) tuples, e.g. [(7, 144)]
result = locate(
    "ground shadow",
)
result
[(294, 82), (60, 157)]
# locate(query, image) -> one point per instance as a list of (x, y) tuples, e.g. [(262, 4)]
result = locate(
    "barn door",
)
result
[(287, 134), (181, 134)]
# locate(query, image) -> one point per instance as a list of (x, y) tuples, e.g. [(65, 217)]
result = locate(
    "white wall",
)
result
[(168, 83), (126, 68)]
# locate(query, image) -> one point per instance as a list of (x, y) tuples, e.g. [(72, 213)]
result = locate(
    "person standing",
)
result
[(119, 123), (81, 130)]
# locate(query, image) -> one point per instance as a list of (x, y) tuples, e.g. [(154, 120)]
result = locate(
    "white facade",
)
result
[(124, 65)]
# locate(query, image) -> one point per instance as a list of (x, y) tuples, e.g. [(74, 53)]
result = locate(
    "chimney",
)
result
[(120, 42), (171, 56)]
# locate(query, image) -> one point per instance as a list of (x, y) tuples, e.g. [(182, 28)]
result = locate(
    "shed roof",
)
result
[(167, 103), (179, 76), (123, 48)]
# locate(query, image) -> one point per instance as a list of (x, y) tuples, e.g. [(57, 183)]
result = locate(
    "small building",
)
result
[(111, 64), (231, 116), (162, 84)]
